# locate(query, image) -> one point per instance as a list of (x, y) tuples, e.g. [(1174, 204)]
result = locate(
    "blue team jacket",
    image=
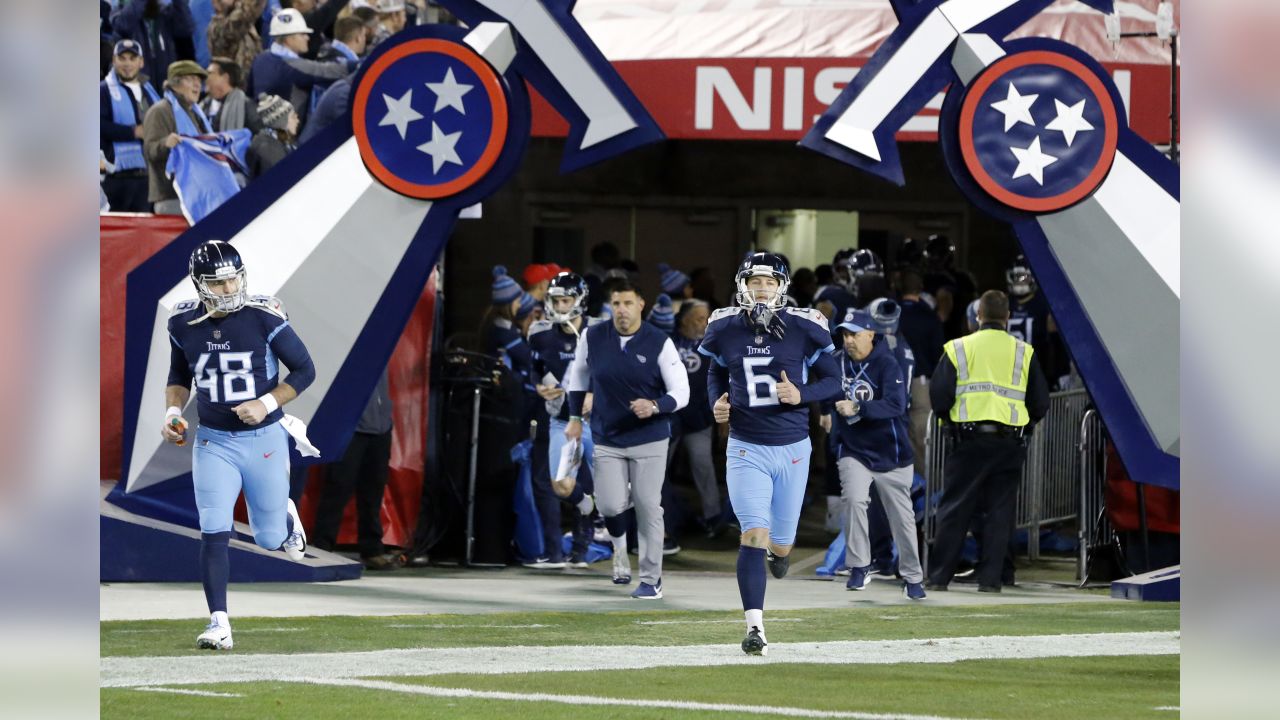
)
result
[(878, 437)]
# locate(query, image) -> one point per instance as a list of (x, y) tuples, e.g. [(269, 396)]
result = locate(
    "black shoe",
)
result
[(385, 561), (670, 546), (778, 564), (754, 644), (935, 587), (989, 588), (966, 577)]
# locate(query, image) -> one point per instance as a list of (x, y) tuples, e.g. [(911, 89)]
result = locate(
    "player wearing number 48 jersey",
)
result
[(769, 362), (231, 345)]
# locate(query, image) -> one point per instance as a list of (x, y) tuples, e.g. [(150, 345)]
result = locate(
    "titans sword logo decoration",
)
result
[(1034, 132), (351, 225)]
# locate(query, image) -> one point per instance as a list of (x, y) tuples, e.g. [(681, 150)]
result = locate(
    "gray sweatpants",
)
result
[(634, 475), (697, 446), (894, 488)]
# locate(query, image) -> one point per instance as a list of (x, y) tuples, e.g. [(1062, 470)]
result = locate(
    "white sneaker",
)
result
[(295, 546), (216, 636), (545, 564)]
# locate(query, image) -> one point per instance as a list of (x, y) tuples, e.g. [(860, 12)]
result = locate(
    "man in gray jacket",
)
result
[(225, 103)]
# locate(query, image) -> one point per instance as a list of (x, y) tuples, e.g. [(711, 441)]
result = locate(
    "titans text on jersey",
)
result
[(235, 358), (755, 363)]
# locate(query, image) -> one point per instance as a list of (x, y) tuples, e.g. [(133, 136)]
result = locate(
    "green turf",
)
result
[(346, 633), (1091, 687)]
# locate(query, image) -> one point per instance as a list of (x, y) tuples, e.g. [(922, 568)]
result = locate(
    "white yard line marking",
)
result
[(1175, 708), (712, 622), (241, 667), (948, 617), (180, 691), (269, 629), (619, 702), (439, 626)]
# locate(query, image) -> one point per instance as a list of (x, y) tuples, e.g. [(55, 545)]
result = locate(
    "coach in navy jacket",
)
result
[(874, 446)]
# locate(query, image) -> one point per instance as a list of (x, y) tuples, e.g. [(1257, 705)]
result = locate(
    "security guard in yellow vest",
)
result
[(996, 391)]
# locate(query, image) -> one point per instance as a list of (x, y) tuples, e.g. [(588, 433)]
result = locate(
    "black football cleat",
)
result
[(778, 564), (754, 644)]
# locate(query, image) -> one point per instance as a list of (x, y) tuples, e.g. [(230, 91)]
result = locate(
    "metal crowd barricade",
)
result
[(1051, 477), (1094, 528)]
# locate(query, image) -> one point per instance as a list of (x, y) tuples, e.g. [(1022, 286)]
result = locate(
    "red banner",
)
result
[(126, 241), (779, 98)]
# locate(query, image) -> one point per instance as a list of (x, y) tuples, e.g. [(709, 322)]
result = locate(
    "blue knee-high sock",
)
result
[(215, 567), (751, 577)]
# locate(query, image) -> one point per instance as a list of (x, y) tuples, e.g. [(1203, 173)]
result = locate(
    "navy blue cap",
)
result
[(127, 45), (857, 321)]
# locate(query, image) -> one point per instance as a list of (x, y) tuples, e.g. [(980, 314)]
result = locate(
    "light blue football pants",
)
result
[(766, 486), (256, 460)]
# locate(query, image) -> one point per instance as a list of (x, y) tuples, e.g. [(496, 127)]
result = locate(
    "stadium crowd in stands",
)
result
[(260, 52)]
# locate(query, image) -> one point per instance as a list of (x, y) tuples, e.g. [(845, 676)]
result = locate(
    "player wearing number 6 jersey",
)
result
[(231, 344), (769, 362)]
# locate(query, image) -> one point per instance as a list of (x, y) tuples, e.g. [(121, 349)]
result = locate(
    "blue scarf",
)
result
[(280, 50), (128, 153), (183, 120)]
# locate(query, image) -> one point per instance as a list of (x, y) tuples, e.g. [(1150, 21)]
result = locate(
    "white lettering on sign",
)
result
[(712, 81), (716, 83)]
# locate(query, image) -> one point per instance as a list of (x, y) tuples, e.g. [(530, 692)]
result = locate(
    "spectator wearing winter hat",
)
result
[(662, 316), (528, 311), (674, 283), (277, 138), (282, 70), (499, 334)]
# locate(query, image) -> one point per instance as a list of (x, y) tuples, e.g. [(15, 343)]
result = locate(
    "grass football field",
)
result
[(1067, 660)]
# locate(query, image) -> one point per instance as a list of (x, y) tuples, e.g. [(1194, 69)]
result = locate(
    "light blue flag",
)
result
[(203, 170)]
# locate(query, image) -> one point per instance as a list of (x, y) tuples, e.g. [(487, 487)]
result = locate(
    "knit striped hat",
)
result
[(273, 111), (672, 281), (504, 288), (662, 316), (527, 304)]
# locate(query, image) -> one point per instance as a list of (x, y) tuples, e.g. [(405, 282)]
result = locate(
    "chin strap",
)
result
[(202, 318)]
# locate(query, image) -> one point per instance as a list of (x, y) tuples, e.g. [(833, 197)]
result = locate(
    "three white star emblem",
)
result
[(1031, 161), (1070, 120), (400, 112), (441, 148), (449, 93), (1016, 108)]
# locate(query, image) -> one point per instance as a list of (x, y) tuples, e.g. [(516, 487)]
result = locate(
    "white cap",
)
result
[(289, 22), (388, 6)]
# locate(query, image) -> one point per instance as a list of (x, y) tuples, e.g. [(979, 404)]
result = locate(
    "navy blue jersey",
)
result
[(552, 350), (754, 363), (877, 436), (697, 414), (235, 358), (1029, 321)]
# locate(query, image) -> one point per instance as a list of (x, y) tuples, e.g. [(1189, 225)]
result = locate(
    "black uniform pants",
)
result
[(362, 470), (981, 479), (127, 192)]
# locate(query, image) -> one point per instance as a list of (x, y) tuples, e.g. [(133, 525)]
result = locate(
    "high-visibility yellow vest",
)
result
[(991, 377)]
